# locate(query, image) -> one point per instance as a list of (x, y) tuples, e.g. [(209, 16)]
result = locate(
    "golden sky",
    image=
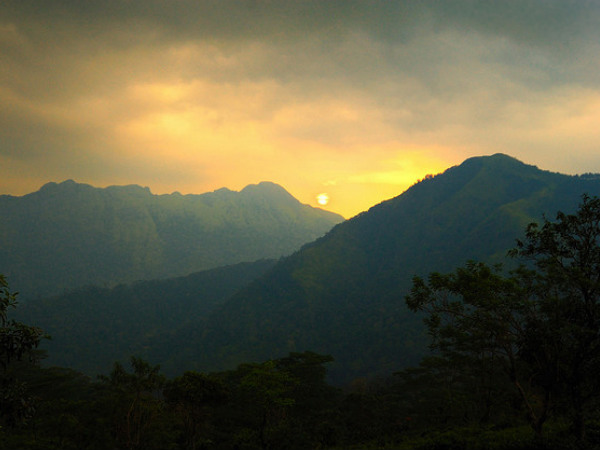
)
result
[(355, 99)]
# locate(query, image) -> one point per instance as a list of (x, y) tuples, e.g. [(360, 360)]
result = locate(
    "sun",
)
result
[(322, 199)]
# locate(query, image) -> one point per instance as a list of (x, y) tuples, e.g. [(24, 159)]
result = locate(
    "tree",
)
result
[(193, 397), (136, 403), (270, 391), (566, 258), (312, 413), (477, 320), (17, 341), (541, 323), (281, 403)]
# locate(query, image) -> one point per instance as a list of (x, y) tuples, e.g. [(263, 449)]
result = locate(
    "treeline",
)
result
[(279, 404)]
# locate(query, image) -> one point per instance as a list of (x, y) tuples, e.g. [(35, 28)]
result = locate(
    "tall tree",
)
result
[(137, 407), (541, 323), (477, 317), (270, 390), (17, 341), (193, 397), (566, 258)]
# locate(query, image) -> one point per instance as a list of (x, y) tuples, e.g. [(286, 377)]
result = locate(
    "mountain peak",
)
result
[(71, 186), (496, 162), (265, 186), (67, 184), (342, 294), (270, 190)]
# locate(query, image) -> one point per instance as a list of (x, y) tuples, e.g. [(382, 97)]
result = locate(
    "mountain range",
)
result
[(68, 235), (343, 294)]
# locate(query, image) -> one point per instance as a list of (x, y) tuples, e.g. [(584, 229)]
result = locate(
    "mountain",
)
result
[(69, 235), (344, 293), (93, 327)]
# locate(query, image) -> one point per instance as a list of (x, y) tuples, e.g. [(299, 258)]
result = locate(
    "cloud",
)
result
[(192, 95)]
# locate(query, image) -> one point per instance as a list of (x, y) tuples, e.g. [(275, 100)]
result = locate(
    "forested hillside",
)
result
[(344, 294), (340, 295), (70, 235), (92, 327), (515, 367)]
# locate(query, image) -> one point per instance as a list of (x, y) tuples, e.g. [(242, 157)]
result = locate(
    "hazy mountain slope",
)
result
[(69, 235), (93, 327), (344, 293)]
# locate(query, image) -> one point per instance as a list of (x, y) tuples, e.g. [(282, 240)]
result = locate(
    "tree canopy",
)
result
[(17, 341), (539, 325)]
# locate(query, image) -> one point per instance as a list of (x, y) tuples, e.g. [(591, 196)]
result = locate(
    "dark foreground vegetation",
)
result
[(515, 365)]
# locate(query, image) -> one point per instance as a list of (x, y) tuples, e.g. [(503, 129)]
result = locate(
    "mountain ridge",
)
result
[(92, 327), (343, 293), (69, 234)]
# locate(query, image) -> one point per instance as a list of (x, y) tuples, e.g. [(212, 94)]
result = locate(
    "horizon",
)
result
[(316, 204)]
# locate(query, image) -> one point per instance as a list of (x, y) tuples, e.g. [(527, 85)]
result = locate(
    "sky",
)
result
[(353, 99)]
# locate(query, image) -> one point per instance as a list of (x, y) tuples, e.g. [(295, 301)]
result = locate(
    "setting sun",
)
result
[(322, 199)]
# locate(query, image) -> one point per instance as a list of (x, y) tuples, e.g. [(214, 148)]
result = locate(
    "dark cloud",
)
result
[(549, 37), (536, 22)]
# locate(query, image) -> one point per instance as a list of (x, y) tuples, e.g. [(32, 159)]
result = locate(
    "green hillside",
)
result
[(69, 235), (344, 293), (93, 327)]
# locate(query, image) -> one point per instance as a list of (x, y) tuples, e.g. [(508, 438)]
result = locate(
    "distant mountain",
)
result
[(93, 327), (69, 235), (344, 293)]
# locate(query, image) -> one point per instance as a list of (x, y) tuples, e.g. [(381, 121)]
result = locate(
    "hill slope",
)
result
[(93, 327), (70, 235), (344, 293)]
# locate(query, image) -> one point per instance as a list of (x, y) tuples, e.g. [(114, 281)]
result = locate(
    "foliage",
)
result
[(338, 295), (566, 256), (193, 397), (477, 319), (92, 327), (280, 403), (540, 326), (277, 404), (17, 341), (137, 409)]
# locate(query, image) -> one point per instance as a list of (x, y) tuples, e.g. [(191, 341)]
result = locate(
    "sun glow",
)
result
[(322, 199)]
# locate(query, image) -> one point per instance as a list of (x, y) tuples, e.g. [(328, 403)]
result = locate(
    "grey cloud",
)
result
[(424, 64), (537, 22), (540, 33)]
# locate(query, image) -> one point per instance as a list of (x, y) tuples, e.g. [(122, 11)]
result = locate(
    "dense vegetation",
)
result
[(514, 366), (339, 295), (92, 327), (71, 235), (515, 350)]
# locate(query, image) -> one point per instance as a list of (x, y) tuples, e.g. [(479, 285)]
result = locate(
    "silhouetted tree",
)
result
[(17, 341), (477, 318), (137, 407), (540, 324), (193, 397), (566, 282)]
